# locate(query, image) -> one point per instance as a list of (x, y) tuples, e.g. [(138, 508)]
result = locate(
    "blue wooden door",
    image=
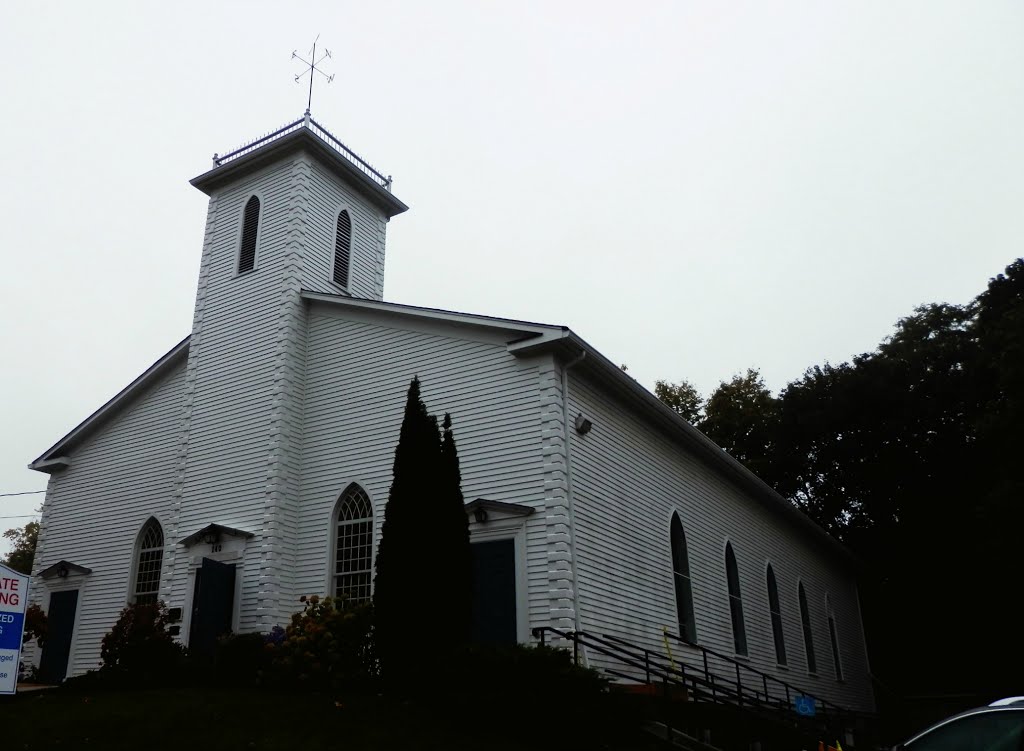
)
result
[(53, 665), (494, 592)]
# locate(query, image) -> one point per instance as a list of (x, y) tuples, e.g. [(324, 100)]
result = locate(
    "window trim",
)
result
[(675, 519), (332, 537), (833, 637), (769, 569), (258, 195), (137, 551), (741, 635), (806, 631), (344, 208)]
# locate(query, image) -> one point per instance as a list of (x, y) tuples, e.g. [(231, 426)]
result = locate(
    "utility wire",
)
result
[(25, 492), (18, 516)]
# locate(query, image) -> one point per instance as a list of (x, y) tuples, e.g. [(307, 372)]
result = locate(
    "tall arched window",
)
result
[(739, 629), (250, 229), (681, 574), (342, 249), (149, 559), (776, 611), (805, 621), (353, 560), (836, 662)]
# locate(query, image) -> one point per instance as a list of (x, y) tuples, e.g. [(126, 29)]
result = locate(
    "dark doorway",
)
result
[(53, 665), (213, 601), (494, 592)]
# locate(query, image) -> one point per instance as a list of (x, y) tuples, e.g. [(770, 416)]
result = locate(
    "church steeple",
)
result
[(294, 210), (344, 203)]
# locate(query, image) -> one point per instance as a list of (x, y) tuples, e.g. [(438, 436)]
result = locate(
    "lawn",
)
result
[(261, 720)]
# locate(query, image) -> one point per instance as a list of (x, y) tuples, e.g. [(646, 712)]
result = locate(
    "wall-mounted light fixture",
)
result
[(480, 514), (62, 571), (583, 425), (211, 537)]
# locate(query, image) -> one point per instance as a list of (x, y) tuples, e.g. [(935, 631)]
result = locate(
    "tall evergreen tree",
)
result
[(454, 540), (419, 619)]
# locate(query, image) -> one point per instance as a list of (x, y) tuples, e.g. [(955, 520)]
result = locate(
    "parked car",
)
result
[(997, 727)]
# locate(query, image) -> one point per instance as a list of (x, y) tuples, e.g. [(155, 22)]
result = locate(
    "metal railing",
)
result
[(320, 131), (702, 682)]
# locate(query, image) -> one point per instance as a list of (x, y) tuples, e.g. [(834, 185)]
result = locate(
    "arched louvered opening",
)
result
[(353, 560), (739, 629), (805, 622), (250, 230), (342, 249), (834, 637), (149, 559), (681, 575), (776, 612)]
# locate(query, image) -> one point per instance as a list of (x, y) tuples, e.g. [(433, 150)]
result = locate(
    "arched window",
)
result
[(250, 229), (739, 630), (776, 611), (149, 559), (805, 621), (681, 574), (342, 249), (835, 639), (353, 560)]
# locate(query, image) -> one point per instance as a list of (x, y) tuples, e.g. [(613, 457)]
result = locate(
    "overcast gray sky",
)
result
[(694, 187)]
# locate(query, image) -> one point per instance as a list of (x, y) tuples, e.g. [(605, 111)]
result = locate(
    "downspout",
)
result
[(568, 486)]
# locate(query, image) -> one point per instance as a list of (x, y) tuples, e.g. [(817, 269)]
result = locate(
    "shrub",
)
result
[(241, 659), (35, 625), (327, 646), (139, 648)]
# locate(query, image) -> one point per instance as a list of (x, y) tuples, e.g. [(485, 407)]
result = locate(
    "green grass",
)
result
[(254, 720)]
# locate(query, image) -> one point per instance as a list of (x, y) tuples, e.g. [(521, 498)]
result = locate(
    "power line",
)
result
[(24, 492), (18, 516)]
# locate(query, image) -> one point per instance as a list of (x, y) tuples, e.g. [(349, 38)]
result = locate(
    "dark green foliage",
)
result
[(139, 649), (739, 416), (24, 547), (326, 647), (453, 555), (424, 529), (36, 625), (683, 398), (910, 454), (240, 660)]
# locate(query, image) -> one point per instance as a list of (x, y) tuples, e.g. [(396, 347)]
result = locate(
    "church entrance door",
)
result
[(53, 665), (213, 602), (494, 592)]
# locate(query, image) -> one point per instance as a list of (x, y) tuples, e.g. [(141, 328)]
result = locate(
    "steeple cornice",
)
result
[(307, 134)]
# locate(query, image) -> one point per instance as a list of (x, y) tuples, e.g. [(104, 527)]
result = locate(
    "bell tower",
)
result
[(295, 210)]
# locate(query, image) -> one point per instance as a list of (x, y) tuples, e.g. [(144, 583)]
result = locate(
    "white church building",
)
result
[(251, 464)]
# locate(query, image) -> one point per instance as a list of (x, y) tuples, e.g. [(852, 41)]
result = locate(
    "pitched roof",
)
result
[(525, 338), (52, 458)]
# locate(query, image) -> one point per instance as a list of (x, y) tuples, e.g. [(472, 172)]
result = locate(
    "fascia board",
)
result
[(48, 460)]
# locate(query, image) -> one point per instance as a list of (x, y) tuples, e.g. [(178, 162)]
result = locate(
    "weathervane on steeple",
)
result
[(312, 68)]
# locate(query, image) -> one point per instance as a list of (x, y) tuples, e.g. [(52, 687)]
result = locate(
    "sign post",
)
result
[(13, 602)]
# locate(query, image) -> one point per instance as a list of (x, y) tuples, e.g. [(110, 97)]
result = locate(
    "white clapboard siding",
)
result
[(236, 361), (327, 196), (358, 373), (628, 479), (95, 509)]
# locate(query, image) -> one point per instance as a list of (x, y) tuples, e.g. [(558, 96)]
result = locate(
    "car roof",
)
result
[(1011, 701), (1016, 705)]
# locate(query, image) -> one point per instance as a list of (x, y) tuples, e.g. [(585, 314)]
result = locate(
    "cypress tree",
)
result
[(454, 534), (406, 610)]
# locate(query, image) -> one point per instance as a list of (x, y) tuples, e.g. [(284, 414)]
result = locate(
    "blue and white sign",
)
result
[(804, 705), (13, 601)]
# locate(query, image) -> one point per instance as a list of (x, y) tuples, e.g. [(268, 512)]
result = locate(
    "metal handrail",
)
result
[(765, 677), (325, 135)]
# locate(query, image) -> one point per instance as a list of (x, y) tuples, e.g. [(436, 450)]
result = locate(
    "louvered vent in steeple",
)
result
[(250, 227), (342, 249)]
